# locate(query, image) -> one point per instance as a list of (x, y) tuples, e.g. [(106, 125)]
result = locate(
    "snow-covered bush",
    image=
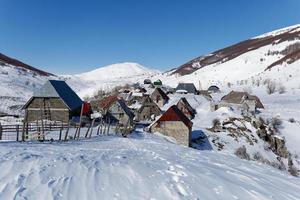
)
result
[(281, 89), (216, 125), (275, 124), (241, 152), (292, 120)]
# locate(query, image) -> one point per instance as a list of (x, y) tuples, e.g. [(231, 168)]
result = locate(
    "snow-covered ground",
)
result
[(143, 166)]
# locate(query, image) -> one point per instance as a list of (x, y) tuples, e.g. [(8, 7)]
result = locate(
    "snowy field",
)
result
[(143, 166)]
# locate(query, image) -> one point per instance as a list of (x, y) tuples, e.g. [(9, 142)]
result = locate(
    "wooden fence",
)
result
[(58, 131)]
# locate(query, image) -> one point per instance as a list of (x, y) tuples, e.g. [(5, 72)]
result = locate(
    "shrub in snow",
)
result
[(216, 125), (271, 87), (241, 152), (292, 120), (258, 157), (292, 169), (281, 89), (266, 81), (276, 124)]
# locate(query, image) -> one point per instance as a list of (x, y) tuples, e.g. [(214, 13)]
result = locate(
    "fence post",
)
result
[(17, 127), (67, 131), (0, 131), (60, 133), (23, 132)]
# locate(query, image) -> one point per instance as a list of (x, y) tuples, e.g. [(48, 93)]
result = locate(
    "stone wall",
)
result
[(175, 129)]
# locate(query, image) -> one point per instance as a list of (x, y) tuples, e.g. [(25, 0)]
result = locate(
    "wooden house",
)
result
[(186, 88), (116, 111), (159, 97), (186, 108), (174, 123), (54, 101), (147, 111), (242, 101)]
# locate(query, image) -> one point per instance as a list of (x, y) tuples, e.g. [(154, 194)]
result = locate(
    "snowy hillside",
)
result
[(143, 166), (107, 77), (259, 58), (18, 80)]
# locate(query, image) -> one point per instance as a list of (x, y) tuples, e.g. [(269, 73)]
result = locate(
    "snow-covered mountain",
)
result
[(257, 58), (105, 78), (19, 80)]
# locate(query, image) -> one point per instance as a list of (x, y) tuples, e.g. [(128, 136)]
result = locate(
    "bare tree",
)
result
[(271, 87)]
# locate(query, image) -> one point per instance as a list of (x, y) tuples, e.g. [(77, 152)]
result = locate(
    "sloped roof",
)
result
[(188, 106), (239, 97), (106, 102), (234, 97), (213, 88), (162, 93), (174, 114), (189, 87), (147, 101), (59, 89), (257, 101), (125, 108)]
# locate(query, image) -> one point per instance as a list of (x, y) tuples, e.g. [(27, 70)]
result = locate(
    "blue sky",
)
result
[(64, 36)]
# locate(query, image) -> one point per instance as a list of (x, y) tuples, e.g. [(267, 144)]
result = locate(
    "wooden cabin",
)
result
[(174, 123), (116, 111), (242, 101), (147, 111), (159, 97), (54, 101), (186, 108)]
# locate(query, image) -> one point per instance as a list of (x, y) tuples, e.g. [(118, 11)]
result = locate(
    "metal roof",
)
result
[(189, 87), (59, 89)]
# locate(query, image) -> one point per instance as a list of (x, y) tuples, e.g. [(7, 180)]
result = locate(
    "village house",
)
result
[(242, 101), (157, 83), (174, 123), (147, 111), (54, 101), (213, 89), (147, 81), (186, 88), (206, 94), (159, 97), (186, 108), (116, 111)]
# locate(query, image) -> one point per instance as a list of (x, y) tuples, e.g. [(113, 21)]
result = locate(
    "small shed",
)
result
[(188, 87), (213, 89), (186, 108), (148, 110), (174, 123), (159, 97), (157, 83), (54, 101)]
